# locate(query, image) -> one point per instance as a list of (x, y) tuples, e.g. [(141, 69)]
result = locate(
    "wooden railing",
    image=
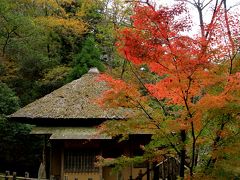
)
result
[(167, 169)]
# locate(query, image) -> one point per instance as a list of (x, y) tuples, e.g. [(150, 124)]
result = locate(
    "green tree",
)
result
[(15, 137), (14, 25), (115, 14), (9, 102), (90, 56)]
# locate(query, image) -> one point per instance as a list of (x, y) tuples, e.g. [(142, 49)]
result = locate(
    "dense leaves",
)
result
[(196, 97), (8, 101), (90, 56), (186, 87), (15, 137), (44, 45)]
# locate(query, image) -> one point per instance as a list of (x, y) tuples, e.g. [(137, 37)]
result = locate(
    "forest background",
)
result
[(46, 44)]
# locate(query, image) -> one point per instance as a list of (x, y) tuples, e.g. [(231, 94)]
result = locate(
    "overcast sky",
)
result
[(194, 12)]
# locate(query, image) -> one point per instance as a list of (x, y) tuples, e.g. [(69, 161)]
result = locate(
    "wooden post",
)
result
[(155, 171), (131, 155), (7, 174), (148, 171), (175, 169), (62, 162), (160, 171), (101, 168), (14, 175), (130, 177), (140, 175), (170, 169), (50, 159), (26, 175)]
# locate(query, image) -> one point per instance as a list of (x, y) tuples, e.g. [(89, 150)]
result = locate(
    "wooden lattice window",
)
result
[(80, 161)]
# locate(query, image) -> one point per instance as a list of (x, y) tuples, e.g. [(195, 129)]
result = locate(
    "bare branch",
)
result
[(233, 6), (194, 4), (207, 4), (143, 85)]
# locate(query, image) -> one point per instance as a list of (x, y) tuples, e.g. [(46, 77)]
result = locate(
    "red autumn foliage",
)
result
[(198, 67)]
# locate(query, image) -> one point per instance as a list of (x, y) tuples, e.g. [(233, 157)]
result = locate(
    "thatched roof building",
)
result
[(69, 117), (74, 101)]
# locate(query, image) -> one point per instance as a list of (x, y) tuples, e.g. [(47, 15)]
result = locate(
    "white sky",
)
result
[(194, 13)]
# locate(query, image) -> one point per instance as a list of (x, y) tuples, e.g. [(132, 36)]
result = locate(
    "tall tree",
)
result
[(15, 138), (193, 82), (90, 56), (114, 14), (40, 37)]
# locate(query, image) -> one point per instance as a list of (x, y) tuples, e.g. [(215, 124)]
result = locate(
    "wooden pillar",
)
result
[(62, 163), (131, 155), (101, 168), (131, 172), (14, 175), (26, 175), (7, 174), (148, 171), (155, 171), (50, 159)]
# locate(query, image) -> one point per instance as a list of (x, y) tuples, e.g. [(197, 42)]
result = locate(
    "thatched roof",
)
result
[(76, 100)]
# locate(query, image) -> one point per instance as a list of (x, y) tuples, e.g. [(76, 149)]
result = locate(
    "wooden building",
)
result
[(69, 117)]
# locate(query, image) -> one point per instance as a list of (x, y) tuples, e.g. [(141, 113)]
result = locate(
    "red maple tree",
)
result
[(198, 74)]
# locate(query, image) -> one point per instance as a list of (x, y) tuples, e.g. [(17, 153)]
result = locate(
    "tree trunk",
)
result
[(182, 154), (5, 44)]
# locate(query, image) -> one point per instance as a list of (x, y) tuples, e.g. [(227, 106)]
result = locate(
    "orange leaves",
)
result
[(120, 93), (166, 89), (196, 89), (211, 101), (155, 41), (224, 34), (152, 38), (187, 66), (160, 21)]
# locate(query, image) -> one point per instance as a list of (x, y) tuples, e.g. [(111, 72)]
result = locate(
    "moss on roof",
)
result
[(75, 100)]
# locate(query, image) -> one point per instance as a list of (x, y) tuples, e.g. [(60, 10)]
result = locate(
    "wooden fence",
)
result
[(168, 169), (165, 170)]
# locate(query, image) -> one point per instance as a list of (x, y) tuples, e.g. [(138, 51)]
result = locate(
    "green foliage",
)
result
[(52, 79), (8, 100), (94, 14), (67, 44), (14, 25), (121, 162), (15, 139), (114, 14), (18, 146), (2, 69), (43, 48), (38, 41), (89, 56)]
